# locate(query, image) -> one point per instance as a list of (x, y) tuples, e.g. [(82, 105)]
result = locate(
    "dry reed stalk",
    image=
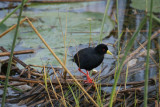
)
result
[(46, 88), (14, 84), (17, 52), (53, 90), (63, 98), (33, 80), (11, 28), (51, 1)]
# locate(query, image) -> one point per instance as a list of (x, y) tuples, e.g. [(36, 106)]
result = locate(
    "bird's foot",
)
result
[(89, 80)]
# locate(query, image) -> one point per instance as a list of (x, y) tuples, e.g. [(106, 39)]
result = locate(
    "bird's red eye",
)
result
[(104, 50)]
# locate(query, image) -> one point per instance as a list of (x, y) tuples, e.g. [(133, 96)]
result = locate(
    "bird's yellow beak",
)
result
[(108, 52)]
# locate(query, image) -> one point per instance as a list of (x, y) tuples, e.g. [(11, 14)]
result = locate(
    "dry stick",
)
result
[(130, 90), (150, 81), (30, 99), (14, 84), (21, 79), (45, 66), (11, 28), (21, 62), (33, 80), (51, 1), (17, 52), (61, 62), (37, 103)]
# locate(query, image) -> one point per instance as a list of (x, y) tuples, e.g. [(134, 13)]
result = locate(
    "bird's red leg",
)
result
[(81, 71), (89, 80)]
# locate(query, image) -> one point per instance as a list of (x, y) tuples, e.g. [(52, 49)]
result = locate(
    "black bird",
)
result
[(89, 58)]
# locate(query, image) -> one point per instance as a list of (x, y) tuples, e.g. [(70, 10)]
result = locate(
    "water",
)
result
[(128, 18)]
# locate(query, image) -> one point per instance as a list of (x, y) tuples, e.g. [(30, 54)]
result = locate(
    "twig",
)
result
[(22, 63), (11, 28), (151, 81), (19, 61), (17, 52), (51, 1), (14, 84), (36, 81)]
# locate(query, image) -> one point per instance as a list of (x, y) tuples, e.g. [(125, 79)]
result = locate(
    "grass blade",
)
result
[(155, 18), (147, 60), (74, 96), (11, 56)]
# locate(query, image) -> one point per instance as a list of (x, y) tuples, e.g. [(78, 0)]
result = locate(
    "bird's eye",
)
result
[(104, 50)]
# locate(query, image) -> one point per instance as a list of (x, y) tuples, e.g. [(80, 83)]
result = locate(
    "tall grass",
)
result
[(124, 57), (74, 96), (98, 89), (147, 60), (155, 18), (11, 55)]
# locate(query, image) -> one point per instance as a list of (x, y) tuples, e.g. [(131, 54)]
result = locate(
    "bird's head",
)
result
[(102, 49)]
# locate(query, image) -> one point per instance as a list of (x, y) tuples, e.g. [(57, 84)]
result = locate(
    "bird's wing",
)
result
[(83, 54)]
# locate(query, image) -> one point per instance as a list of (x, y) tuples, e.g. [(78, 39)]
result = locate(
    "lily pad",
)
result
[(50, 25), (141, 5)]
